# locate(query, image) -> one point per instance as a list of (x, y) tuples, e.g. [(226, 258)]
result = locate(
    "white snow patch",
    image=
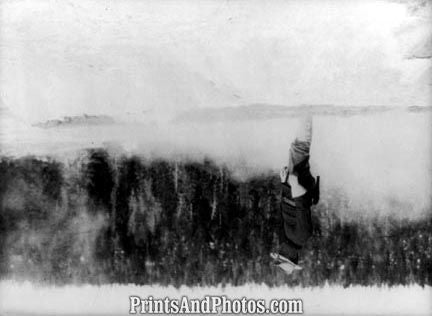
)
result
[(30, 298)]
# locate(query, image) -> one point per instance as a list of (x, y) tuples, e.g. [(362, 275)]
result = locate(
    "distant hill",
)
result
[(419, 108), (261, 111), (81, 120)]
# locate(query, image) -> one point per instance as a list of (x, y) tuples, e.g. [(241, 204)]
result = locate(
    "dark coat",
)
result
[(296, 215)]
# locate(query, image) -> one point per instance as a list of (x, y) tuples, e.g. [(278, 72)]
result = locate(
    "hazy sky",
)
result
[(72, 57)]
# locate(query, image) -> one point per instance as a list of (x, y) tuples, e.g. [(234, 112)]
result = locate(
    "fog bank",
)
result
[(381, 161)]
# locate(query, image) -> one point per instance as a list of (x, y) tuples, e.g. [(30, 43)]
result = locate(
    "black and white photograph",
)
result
[(215, 157)]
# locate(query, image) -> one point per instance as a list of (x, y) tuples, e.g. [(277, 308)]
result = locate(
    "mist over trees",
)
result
[(103, 218)]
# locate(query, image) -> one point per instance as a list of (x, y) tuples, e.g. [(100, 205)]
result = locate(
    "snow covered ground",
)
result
[(27, 298)]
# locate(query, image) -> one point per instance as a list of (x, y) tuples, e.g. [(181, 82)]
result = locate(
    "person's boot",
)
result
[(287, 252), (280, 258)]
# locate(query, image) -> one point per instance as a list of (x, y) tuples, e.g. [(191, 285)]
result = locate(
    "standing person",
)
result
[(300, 191)]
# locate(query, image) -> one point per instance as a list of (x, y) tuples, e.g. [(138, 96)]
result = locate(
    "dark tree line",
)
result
[(105, 218)]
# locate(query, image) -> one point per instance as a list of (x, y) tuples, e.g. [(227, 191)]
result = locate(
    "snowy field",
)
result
[(27, 298), (145, 62)]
